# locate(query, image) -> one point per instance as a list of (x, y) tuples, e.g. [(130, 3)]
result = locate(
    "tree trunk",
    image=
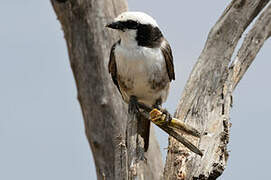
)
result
[(105, 114), (205, 103), (207, 97)]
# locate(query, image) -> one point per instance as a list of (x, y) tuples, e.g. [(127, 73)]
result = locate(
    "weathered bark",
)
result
[(253, 42), (207, 97), (105, 114), (205, 103)]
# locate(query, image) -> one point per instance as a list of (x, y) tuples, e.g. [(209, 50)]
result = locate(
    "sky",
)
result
[(41, 127)]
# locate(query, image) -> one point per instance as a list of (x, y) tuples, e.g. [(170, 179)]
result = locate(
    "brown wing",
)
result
[(112, 66), (166, 50)]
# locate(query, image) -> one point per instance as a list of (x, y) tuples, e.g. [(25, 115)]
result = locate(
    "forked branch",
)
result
[(207, 97)]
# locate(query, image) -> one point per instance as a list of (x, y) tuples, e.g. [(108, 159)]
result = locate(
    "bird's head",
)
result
[(136, 27)]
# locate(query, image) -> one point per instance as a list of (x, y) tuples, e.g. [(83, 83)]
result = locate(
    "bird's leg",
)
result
[(133, 105), (158, 106)]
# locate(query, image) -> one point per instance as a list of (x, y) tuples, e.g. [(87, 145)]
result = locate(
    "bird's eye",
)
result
[(130, 24)]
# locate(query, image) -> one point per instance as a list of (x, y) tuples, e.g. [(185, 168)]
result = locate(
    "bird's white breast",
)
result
[(138, 67)]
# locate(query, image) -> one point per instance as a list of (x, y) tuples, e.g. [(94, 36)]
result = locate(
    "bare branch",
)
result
[(253, 42), (205, 102), (219, 47)]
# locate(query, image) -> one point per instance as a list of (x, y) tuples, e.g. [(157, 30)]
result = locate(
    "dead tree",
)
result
[(205, 102)]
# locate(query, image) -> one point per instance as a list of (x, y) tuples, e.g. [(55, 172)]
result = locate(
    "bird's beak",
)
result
[(115, 25)]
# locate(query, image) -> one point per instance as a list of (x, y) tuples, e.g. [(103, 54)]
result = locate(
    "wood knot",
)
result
[(240, 4)]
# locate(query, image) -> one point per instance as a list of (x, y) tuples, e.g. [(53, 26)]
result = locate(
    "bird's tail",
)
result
[(144, 125)]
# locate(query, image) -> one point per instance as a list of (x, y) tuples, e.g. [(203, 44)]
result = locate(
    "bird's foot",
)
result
[(165, 116), (133, 105)]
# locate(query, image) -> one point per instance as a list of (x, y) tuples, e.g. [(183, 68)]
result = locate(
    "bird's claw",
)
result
[(167, 116), (160, 116)]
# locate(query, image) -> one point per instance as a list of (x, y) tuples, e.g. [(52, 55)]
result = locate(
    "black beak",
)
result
[(115, 25)]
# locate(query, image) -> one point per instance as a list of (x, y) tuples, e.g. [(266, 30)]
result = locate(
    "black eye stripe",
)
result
[(148, 36), (130, 24)]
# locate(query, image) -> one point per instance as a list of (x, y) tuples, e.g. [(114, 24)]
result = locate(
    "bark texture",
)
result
[(105, 114), (207, 97), (205, 102)]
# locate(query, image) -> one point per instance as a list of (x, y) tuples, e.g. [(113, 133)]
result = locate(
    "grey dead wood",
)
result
[(207, 98), (253, 42), (205, 102), (105, 115)]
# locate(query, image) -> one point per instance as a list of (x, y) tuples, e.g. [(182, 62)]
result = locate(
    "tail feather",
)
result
[(144, 125)]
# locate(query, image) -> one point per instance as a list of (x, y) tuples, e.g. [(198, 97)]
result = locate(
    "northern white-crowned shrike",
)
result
[(141, 63)]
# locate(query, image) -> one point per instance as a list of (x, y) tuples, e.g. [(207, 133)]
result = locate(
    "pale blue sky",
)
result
[(41, 126)]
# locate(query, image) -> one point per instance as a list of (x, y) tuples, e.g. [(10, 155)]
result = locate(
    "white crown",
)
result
[(140, 17)]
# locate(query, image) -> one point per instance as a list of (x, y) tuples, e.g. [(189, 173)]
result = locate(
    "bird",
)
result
[(141, 64)]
